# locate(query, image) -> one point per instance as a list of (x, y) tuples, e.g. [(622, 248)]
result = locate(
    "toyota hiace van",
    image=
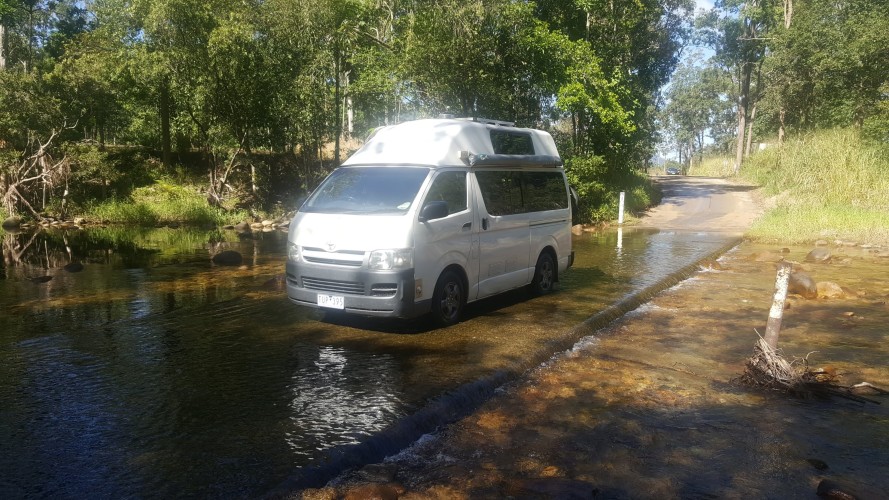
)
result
[(430, 215)]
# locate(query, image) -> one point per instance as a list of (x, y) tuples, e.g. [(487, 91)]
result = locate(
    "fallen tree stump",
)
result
[(768, 369)]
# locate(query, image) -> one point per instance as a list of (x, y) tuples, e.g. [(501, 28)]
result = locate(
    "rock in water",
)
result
[(73, 267), (820, 254), (802, 284), (830, 290), (830, 489), (228, 258)]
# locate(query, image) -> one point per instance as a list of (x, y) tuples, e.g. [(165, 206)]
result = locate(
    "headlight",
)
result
[(384, 260), (293, 251)]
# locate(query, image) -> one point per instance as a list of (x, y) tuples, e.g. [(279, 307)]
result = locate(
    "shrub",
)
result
[(598, 188)]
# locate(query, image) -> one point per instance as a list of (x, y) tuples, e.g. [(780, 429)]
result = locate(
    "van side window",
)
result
[(449, 187), (511, 143), (544, 191), (501, 191), (511, 192)]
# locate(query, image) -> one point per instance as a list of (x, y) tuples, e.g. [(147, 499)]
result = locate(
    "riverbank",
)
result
[(647, 407)]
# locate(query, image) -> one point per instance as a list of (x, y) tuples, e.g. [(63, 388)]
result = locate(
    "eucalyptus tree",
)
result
[(740, 32), (827, 66), (484, 58), (637, 45), (699, 104)]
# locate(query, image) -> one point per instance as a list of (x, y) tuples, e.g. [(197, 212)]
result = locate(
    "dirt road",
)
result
[(702, 204), (647, 407)]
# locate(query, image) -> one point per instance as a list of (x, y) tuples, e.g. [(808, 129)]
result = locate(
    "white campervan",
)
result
[(432, 214)]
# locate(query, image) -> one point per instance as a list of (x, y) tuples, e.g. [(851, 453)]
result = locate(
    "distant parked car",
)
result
[(672, 171)]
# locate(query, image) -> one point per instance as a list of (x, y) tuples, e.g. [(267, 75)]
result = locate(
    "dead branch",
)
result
[(868, 385), (768, 368)]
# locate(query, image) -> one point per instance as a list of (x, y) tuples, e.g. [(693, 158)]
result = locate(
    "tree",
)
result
[(827, 67), (637, 44)]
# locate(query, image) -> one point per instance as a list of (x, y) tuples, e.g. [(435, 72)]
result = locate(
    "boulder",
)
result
[(819, 254), (829, 489), (802, 284), (73, 267), (830, 290), (577, 229), (243, 227), (228, 258)]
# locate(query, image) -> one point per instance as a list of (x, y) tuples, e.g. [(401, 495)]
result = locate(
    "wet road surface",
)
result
[(647, 407)]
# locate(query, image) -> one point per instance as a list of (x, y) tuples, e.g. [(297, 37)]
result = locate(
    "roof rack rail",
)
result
[(489, 121)]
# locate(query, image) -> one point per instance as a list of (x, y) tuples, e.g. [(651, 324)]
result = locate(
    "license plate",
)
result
[(332, 301)]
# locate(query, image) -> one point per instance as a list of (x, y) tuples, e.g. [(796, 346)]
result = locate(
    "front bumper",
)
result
[(388, 294)]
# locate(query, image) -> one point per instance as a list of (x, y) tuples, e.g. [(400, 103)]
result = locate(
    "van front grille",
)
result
[(384, 289), (351, 258), (333, 286)]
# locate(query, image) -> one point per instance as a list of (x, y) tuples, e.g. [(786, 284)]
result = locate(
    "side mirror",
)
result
[(434, 210)]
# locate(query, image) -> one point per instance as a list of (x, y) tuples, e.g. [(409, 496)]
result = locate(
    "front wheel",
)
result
[(544, 275), (448, 299)]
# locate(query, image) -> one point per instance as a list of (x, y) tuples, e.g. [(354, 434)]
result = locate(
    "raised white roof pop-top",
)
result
[(453, 142)]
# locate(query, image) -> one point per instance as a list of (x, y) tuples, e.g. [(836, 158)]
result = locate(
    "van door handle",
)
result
[(467, 226), (485, 223)]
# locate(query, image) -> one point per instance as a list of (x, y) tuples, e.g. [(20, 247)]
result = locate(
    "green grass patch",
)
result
[(829, 184), (163, 203)]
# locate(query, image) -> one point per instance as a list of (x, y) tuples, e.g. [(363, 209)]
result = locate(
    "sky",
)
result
[(703, 4)]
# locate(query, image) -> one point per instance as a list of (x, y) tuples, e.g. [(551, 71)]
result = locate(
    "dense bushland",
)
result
[(215, 89)]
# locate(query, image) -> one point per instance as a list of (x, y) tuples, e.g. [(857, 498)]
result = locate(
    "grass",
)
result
[(827, 185), (163, 203), (713, 166)]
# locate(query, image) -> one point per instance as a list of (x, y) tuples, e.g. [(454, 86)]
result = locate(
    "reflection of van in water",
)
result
[(432, 214)]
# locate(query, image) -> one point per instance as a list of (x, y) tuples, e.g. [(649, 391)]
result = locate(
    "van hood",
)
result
[(345, 232)]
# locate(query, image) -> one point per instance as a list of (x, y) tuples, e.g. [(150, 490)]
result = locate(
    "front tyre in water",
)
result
[(448, 300), (544, 275)]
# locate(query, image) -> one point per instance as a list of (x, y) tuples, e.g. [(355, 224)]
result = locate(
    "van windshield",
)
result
[(367, 190)]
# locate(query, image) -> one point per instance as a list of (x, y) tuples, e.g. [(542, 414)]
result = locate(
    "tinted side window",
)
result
[(449, 187), (511, 143), (501, 191), (544, 191)]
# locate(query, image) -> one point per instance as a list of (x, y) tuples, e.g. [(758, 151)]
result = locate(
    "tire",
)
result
[(544, 275), (448, 300)]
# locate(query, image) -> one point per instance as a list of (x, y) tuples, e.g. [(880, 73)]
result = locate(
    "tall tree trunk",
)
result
[(750, 131), (338, 125), (2, 47), (350, 110), (165, 122), (743, 102), (781, 131), (788, 13), (742, 126)]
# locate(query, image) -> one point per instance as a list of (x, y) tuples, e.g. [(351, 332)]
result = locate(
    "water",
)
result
[(154, 372), (646, 408)]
